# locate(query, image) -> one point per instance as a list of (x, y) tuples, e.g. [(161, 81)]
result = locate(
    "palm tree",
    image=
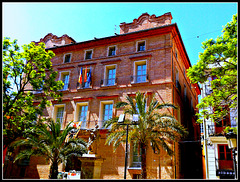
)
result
[(50, 141), (154, 127)]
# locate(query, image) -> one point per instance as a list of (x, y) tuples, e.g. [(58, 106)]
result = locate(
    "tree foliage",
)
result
[(24, 73), (48, 140), (153, 127), (219, 60)]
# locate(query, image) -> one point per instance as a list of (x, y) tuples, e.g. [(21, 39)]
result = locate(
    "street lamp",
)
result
[(121, 122), (232, 145)]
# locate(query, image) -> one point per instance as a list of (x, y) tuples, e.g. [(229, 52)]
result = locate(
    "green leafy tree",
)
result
[(219, 60), (24, 73), (48, 140), (153, 127)]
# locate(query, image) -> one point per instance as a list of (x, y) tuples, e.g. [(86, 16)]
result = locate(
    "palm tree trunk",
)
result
[(53, 170), (143, 160)]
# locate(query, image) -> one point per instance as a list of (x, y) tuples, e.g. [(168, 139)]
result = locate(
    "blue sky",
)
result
[(83, 21)]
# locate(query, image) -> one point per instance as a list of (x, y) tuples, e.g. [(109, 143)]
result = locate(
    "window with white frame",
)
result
[(140, 71), (59, 113), (67, 58), (88, 54), (109, 75), (106, 111), (65, 79), (82, 113), (112, 51), (141, 45)]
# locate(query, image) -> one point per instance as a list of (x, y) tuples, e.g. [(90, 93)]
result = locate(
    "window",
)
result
[(224, 153), (88, 54), (86, 78), (59, 116), (136, 157), (185, 93), (112, 51), (176, 54), (178, 85), (106, 111), (140, 46), (59, 113), (81, 113), (140, 72), (179, 114), (110, 75), (67, 58), (65, 79)]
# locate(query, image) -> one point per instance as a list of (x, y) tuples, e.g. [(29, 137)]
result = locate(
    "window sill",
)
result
[(87, 88), (109, 85), (64, 91), (136, 83)]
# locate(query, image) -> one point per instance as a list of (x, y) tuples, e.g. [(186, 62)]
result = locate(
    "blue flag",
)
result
[(89, 77)]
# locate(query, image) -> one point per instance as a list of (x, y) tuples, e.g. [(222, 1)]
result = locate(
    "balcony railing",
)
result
[(65, 87), (91, 124), (109, 82), (139, 78), (214, 130), (83, 85)]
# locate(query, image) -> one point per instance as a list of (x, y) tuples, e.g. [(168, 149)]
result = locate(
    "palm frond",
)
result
[(121, 104), (132, 104), (166, 105)]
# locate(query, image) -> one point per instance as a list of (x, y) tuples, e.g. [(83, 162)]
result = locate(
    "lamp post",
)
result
[(121, 122), (232, 145)]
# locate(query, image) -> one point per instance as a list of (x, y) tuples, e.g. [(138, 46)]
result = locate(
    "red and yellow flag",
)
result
[(85, 75), (80, 76)]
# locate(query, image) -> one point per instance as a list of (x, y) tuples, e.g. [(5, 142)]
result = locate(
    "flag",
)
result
[(85, 75), (80, 77), (89, 78)]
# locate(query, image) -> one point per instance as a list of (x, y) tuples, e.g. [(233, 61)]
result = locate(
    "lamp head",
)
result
[(121, 118)]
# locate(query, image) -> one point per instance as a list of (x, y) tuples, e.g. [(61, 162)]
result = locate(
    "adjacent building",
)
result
[(218, 158), (147, 56)]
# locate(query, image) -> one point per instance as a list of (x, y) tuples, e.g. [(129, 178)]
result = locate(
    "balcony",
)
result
[(108, 82), (84, 85), (139, 78), (214, 130), (224, 169), (89, 124)]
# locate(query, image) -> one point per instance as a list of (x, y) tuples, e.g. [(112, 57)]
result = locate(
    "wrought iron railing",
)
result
[(91, 124), (214, 130), (109, 82), (139, 78)]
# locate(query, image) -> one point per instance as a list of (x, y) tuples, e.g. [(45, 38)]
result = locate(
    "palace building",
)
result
[(147, 56)]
